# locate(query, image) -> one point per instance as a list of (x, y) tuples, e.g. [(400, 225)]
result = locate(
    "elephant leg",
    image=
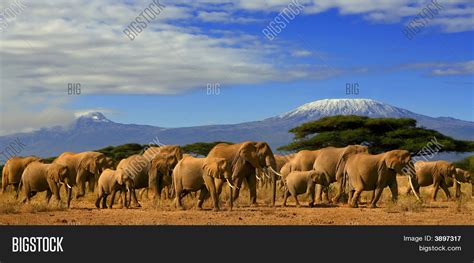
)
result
[(15, 187), (295, 196), (252, 184), (48, 196), (318, 193), (104, 201), (203, 195), (112, 198), (446, 190), (179, 196), (69, 196), (377, 195), (394, 189), (351, 194), (97, 201), (285, 197), (135, 200), (458, 189), (325, 192), (435, 190), (355, 199), (311, 191), (340, 189)]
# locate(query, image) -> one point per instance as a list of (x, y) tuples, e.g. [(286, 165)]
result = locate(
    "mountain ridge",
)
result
[(92, 130)]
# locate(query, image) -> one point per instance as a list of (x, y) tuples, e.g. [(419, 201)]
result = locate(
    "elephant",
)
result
[(111, 181), (301, 161), (331, 161), (107, 163), (300, 182), (82, 167), (147, 172), (367, 172), (248, 160), (151, 152), (159, 176), (39, 177), (461, 176), (436, 173), (13, 169), (200, 174)]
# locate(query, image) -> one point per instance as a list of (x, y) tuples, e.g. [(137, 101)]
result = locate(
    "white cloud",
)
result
[(444, 68)]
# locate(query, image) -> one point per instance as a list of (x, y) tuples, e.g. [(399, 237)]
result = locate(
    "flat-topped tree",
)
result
[(380, 134)]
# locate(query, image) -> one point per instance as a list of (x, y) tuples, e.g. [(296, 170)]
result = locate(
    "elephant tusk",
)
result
[(230, 185), (258, 177), (458, 181), (128, 189), (275, 172), (413, 188)]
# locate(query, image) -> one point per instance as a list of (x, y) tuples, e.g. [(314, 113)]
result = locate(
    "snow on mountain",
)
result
[(331, 107)]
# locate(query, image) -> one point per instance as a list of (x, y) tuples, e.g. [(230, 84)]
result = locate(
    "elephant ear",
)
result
[(211, 168), (246, 153), (88, 164), (54, 172), (440, 169), (390, 160)]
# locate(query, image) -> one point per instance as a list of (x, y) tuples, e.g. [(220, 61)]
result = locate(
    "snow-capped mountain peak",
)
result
[(93, 116), (331, 107)]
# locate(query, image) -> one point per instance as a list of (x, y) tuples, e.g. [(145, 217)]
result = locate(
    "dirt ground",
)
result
[(407, 211)]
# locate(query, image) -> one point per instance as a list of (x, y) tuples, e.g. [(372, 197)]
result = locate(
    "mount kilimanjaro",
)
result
[(95, 131)]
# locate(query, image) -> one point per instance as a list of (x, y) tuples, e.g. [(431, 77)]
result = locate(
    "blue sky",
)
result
[(160, 78)]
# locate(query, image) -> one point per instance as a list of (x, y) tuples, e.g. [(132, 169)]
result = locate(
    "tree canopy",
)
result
[(380, 134)]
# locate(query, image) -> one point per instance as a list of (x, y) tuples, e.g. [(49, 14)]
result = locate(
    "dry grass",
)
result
[(406, 211)]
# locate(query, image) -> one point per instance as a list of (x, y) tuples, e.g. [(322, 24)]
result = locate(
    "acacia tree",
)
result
[(380, 134)]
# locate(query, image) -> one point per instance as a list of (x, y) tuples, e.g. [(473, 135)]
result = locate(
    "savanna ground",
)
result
[(407, 211)]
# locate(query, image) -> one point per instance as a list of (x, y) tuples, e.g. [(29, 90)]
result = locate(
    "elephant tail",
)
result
[(19, 187), (4, 177)]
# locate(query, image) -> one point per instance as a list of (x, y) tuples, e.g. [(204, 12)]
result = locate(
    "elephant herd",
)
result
[(166, 169)]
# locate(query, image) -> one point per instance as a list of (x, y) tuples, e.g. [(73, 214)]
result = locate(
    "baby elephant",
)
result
[(111, 181), (298, 182), (39, 177)]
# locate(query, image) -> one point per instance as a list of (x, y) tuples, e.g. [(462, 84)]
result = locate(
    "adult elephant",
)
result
[(367, 172), (13, 169), (151, 152), (247, 159), (331, 162), (82, 167), (301, 161), (200, 174), (435, 173), (39, 177), (147, 172)]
